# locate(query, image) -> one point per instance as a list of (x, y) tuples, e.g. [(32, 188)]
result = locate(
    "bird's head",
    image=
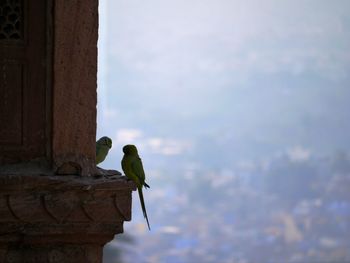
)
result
[(130, 149), (105, 141)]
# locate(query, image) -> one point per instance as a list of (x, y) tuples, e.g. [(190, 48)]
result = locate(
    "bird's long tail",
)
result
[(143, 206)]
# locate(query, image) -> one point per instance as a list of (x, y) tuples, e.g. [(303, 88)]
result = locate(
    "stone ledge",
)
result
[(68, 213), (43, 182)]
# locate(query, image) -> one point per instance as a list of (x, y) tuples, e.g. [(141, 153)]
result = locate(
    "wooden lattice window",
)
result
[(11, 19)]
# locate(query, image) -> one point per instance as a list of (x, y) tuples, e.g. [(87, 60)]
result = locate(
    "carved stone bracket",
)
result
[(43, 218)]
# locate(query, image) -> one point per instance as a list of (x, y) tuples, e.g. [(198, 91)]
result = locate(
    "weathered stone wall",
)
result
[(75, 82)]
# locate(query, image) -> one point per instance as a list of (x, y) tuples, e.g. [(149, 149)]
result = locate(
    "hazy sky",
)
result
[(258, 75)]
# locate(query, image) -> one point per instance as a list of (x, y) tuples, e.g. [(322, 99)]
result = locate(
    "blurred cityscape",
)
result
[(292, 208)]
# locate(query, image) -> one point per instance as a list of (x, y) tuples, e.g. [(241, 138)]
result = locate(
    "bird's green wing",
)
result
[(137, 169), (101, 153), (127, 168)]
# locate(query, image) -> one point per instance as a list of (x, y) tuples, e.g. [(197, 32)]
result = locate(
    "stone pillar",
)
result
[(55, 205), (74, 82)]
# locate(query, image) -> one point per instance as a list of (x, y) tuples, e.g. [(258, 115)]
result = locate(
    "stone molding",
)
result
[(60, 215)]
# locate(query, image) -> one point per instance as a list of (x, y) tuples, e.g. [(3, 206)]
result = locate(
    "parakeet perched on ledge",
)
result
[(133, 169), (102, 147)]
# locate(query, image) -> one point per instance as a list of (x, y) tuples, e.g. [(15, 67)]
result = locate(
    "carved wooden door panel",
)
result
[(23, 80)]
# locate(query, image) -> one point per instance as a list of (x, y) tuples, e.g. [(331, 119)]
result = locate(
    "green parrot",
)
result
[(102, 147), (133, 169)]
